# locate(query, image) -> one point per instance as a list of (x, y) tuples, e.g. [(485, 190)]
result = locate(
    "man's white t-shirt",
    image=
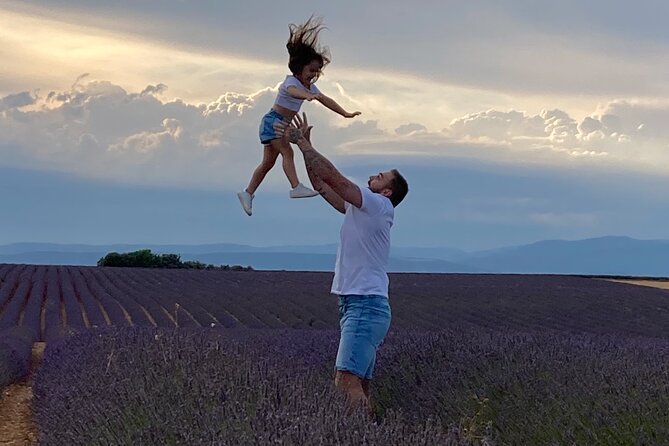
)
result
[(362, 257)]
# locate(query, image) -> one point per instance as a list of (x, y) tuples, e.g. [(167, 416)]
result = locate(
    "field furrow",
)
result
[(32, 313), (75, 316), (51, 299), (16, 303), (93, 305), (9, 285)]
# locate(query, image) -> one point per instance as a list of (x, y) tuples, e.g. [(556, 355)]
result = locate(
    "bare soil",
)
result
[(663, 284), (17, 427)]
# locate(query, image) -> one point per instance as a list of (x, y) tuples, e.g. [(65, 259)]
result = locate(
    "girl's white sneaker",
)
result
[(246, 200), (302, 191)]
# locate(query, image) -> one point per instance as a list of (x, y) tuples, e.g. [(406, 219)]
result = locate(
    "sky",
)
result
[(513, 121)]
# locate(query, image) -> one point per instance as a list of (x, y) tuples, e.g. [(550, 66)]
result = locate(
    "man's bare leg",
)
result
[(366, 383), (366, 388), (351, 385)]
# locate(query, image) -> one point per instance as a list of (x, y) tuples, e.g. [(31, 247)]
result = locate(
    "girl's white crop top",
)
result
[(284, 99)]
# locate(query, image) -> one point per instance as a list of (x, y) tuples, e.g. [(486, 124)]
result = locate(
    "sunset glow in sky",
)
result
[(513, 121)]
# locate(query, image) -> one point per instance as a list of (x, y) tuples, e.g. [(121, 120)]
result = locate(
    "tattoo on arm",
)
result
[(320, 165), (329, 175), (294, 134), (326, 191)]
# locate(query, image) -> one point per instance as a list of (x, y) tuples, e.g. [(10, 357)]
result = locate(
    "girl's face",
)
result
[(310, 72)]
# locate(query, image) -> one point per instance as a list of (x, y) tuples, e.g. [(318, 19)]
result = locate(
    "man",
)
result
[(360, 279)]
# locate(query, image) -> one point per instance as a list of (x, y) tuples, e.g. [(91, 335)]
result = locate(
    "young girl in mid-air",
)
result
[(306, 62)]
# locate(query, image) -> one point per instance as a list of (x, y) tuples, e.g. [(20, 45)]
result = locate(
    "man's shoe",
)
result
[(302, 191), (246, 199)]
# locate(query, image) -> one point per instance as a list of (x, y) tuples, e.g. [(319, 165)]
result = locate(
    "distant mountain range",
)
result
[(596, 256)]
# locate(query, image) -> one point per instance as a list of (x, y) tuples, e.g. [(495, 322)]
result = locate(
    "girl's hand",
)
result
[(312, 96), (352, 115)]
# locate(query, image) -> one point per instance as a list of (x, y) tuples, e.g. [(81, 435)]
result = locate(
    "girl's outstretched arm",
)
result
[(332, 105), (301, 94)]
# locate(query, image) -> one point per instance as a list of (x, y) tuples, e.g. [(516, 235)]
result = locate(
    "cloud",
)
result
[(639, 118), (169, 135), (16, 101), (620, 134), (622, 129), (406, 129), (509, 217), (50, 46), (602, 48), (175, 46), (498, 204), (564, 219), (235, 102), (98, 129), (154, 89), (497, 125)]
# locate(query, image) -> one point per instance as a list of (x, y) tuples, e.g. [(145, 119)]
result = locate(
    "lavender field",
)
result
[(52, 299), (138, 356)]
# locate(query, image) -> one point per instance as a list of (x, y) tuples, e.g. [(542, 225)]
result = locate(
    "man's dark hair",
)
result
[(399, 186)]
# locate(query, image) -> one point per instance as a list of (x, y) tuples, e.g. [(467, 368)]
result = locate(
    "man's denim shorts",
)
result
[(364, 322), (267, 133)]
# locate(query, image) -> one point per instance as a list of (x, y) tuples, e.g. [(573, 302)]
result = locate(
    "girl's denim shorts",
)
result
[(267, 133), (364, 322)]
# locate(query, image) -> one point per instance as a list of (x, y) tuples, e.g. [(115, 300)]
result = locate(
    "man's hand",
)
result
[(286, 130), (324, 176), (295, 131), (303, 126), (352, 115)]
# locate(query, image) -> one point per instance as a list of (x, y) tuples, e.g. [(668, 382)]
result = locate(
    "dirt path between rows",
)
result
[(17, 427)]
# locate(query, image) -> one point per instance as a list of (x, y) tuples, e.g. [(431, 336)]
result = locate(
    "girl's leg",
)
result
[(269, 158), (286, 151)]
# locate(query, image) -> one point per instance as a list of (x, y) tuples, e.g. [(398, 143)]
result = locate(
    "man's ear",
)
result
[(387, 193)]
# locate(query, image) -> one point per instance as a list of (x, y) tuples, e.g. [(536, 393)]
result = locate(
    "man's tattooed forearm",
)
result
[(316, 181), (319, 164), (324, 169)]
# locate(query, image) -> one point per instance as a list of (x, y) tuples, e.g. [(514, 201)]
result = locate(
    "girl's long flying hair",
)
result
[(303, 46)]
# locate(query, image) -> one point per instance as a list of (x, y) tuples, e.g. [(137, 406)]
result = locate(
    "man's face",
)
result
[(380, 183)]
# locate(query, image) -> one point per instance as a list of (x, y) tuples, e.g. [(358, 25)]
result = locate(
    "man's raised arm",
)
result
[(321, 170), (326, 191)]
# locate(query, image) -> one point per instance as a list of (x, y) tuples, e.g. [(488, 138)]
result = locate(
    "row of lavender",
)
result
[(54, 300), (18, 334), (51, 299), (462, 385), (16, 345)]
